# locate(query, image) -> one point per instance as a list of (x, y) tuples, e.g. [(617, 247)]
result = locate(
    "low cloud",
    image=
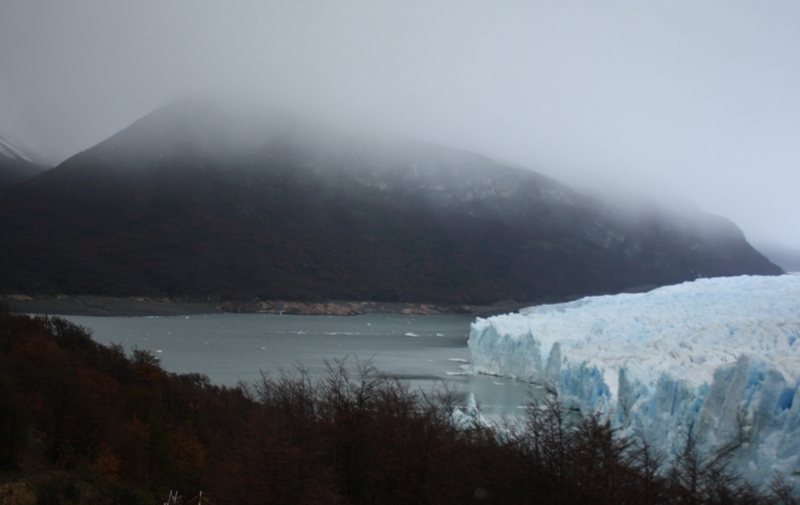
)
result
[(700, 98)]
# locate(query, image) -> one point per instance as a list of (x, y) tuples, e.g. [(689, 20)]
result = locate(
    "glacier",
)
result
[(715, 360)]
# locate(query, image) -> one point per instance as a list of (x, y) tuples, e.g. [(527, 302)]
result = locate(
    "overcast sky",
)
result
[(695, 98)]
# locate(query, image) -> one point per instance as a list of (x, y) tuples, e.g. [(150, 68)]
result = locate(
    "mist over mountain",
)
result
[(785, 257), (18, 162), (199, 201)]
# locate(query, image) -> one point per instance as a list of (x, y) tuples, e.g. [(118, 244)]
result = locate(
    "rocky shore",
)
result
[(86, 305)]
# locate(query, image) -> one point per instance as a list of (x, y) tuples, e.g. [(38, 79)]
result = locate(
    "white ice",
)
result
[(714, 359)]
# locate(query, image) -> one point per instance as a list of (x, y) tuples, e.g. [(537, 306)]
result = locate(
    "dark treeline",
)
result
[(84, 423)]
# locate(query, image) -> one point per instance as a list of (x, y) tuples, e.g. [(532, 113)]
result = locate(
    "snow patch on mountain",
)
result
[(717, 360), (12, 149)]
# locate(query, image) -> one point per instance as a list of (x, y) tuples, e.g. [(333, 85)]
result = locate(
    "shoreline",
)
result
[(107, 306)]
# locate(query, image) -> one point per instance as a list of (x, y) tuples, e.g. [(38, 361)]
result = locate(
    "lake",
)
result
[(427, 351)]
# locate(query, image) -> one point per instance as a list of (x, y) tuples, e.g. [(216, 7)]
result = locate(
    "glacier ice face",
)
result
[(714, 359)]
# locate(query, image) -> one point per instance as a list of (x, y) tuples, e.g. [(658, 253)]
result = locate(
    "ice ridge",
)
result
[(717, 360)]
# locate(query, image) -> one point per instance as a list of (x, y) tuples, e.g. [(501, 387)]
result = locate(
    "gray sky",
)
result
[(694, 98)]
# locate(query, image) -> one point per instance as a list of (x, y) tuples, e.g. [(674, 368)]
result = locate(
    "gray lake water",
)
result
[(427, 351)]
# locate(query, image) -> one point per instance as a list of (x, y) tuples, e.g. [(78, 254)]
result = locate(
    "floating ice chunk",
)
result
[(717, 359)]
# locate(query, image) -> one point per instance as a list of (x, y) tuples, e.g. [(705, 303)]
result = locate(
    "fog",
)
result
[(682, 100)]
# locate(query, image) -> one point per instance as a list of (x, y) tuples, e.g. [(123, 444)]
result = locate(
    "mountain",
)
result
[(17, 162), (198, 201), (785, 257)]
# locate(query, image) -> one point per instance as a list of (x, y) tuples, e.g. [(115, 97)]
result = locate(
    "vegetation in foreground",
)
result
[(84, 423)]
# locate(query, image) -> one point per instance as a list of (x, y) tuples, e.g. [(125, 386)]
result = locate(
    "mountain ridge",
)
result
[(18, 162), (199, 202)]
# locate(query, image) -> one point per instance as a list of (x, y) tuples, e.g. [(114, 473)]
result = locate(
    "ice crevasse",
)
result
[(717, 360)]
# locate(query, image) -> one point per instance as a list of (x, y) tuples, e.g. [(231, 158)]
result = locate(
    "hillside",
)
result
[(787, 258), (194, 201), (17, 163)]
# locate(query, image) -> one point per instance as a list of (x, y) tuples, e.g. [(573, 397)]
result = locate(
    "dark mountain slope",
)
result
[(195, 201), (785, 257), (17, 163)]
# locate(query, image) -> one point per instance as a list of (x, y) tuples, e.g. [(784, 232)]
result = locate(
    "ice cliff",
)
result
[(717, 360)]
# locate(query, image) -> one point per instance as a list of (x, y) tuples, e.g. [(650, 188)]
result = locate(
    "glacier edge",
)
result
[(714, 359)]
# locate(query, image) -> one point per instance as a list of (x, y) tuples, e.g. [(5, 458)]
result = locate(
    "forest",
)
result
[(85, 423)]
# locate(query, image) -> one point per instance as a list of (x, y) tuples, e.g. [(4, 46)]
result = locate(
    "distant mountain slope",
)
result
[(195, 201), (17, 163), (785, 257)]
